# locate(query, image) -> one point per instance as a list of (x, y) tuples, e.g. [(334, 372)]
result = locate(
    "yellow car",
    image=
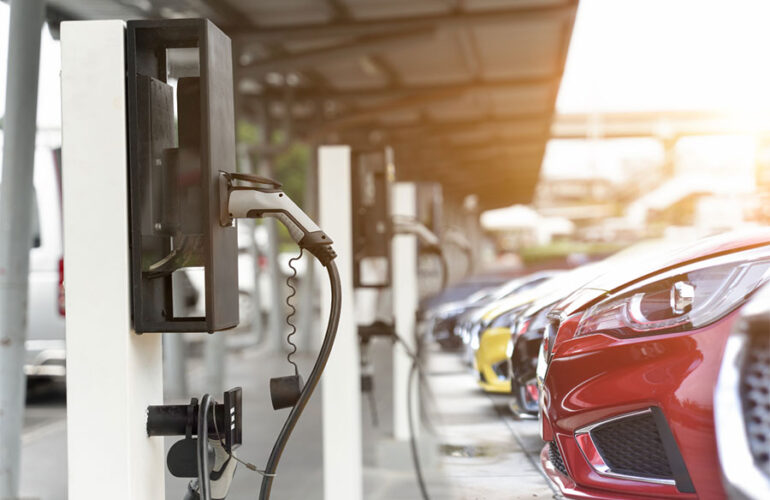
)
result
[(489, 346), (490, 361)]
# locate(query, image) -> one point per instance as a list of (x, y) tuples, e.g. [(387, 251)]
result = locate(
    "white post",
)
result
[(341, 380), (174, 352), (15, 229), (112, 373), (404, 250), (174, 366), (214, 354)]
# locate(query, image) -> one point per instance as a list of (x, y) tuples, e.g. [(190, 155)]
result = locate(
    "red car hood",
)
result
[(623, 269)]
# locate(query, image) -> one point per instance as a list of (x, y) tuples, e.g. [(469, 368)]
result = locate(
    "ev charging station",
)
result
[(108, 448), (150, 189)]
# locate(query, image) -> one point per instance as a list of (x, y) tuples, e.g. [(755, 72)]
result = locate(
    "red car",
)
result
[(628, 368)]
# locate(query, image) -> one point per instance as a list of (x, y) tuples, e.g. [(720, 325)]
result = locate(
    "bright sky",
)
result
[(634, 55), (631, 55)]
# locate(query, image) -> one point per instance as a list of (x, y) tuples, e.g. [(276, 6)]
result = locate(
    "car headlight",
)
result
[(509, 348), (464, 332), (681, 299), (475, 336)]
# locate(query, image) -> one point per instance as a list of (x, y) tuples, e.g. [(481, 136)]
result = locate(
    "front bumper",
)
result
[(491, 362), (570, 489), (595, 378)]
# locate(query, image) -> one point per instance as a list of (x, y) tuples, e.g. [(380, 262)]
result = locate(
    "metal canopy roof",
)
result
[(463, 90)]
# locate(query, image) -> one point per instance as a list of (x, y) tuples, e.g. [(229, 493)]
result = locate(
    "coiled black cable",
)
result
[(312, 382), (289, 318)]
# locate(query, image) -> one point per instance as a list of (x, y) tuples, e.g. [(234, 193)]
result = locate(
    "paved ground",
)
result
[(471, 449)]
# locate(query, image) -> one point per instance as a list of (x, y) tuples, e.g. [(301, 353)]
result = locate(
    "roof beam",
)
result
[(410, 102), (436, 160), (355, 48), (338, 9), (354, 28), (403, 90), (537, 125), (394, 80), (226, 12), (470, 51)]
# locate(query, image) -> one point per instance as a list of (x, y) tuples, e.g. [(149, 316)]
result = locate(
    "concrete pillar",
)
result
[(16, 196), (174, 366), (214, 353), (112, 373), (174, 346), (404, 251), (341, 380)]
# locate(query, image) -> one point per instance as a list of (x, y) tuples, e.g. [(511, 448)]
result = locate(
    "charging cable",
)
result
[(251, 196)]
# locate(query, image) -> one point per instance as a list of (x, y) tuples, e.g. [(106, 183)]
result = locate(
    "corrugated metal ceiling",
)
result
[(464, 90)]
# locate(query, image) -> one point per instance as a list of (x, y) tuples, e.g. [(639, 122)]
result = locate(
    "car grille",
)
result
[(555, 457), (755, 393), (632, 446)]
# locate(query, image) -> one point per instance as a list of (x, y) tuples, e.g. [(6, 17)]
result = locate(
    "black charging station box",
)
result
[(371, 179), (181, 134)]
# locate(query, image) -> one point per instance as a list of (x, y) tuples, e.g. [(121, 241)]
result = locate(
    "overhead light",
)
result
[(245, 58), (368, 66), (292, 79), (275, 79), (249, 86), (471, 203)]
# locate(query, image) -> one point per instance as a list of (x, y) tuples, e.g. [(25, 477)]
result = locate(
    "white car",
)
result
[(45, 357)]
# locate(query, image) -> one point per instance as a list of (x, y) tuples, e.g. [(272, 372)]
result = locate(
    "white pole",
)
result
[(174, 365), (174, 347), (214, 353), (112, 373), (404, 250), (15, 227), (341, 380)]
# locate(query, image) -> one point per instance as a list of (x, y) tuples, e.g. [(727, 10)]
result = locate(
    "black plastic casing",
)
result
[(174, 188), (372, 224)]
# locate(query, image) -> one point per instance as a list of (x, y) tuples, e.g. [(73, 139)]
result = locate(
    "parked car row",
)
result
[(619, 361)]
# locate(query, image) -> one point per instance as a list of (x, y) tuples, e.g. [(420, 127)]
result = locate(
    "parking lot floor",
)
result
[(471, 446)]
